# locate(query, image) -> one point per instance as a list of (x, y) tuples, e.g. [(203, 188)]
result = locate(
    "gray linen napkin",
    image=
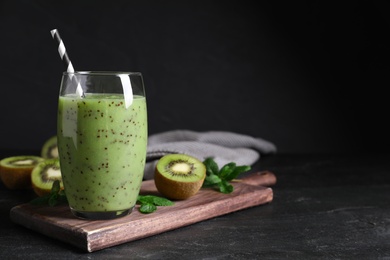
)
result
[(224, 147)]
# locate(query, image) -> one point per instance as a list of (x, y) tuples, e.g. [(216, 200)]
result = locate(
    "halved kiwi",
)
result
[(44, 174), (15, 171), (50, 148), (179, 176)]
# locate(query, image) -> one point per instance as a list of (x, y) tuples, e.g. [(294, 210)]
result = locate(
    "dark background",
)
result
[(311, 77)]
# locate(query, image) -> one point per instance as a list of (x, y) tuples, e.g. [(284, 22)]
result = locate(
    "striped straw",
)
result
[(65, 58)]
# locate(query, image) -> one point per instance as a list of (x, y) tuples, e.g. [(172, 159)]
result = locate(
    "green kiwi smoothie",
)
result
[(102, 149)]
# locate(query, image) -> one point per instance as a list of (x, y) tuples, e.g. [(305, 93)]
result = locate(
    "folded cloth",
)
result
[(224, 147)]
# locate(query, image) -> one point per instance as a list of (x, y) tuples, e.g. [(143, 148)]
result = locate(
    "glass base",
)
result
[(101, 215)]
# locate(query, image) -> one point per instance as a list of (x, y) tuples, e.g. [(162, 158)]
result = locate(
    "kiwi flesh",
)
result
[(179, 176), (44, 174), (15, 171), (50, 148)]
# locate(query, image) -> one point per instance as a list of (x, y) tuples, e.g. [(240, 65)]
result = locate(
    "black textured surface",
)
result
[(324, 207)]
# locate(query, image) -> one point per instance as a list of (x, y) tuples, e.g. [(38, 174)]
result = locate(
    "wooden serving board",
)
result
[(59, 223)]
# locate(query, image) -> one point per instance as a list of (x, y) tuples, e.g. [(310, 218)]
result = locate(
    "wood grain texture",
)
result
[(59, 223)]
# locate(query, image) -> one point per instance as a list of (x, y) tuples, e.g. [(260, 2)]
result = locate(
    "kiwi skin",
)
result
[(17, 177), (175, 188)]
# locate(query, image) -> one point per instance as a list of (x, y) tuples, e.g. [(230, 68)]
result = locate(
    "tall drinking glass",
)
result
[(102, 140)]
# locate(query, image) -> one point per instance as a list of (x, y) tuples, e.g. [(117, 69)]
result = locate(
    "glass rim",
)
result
[(102, 73)]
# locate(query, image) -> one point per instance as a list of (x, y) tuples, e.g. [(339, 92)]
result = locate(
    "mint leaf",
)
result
[(150, 199), (225, 187), (149, 203), (55, 188), (226, 170), (62, 197), (211, 166), (220, 178), (147, 208), (144, 199), (158, 201), (211, 180), (53, 200), (55, 197), (237, 171)]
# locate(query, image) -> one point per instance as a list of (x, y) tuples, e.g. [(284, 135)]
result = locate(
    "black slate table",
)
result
[(325, 207)]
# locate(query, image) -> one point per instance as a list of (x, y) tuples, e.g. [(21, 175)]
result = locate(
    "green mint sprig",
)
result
[(220, 178), (55, 197), (149, 203)]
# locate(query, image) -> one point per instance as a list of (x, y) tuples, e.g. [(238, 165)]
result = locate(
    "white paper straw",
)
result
[(65, 58)]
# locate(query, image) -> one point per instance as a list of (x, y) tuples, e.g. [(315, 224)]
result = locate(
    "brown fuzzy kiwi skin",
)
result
[(176, 190), (16, 178)]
